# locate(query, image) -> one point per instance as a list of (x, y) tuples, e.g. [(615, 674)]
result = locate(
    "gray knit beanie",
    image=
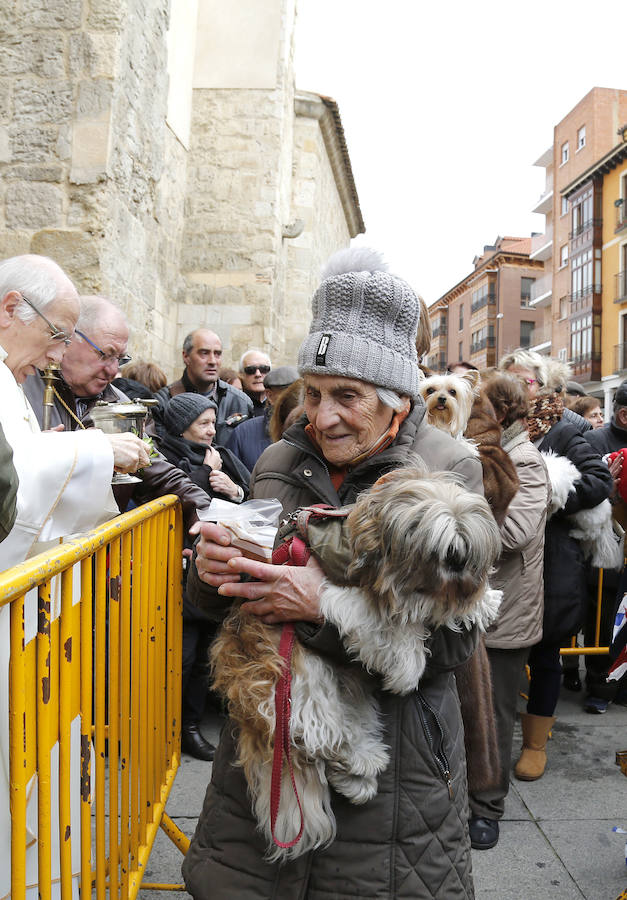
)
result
[(183, 409), (364, 324)]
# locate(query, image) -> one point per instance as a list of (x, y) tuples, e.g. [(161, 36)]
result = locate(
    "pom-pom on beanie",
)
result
[(183, 409), (364, 324)]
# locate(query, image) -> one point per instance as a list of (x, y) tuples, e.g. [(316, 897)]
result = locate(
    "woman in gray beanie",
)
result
[(363, 418)]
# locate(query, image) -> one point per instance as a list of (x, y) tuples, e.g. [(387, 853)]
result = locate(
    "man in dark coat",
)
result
[(202, 355), (250, 439)]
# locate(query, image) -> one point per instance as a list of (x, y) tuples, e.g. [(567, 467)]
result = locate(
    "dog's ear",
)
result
[(473, 378)]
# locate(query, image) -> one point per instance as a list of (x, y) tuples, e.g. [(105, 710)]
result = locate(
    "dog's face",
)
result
[(421, 541), (449, 399)]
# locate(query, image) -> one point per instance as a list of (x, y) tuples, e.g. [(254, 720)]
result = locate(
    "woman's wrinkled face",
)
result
[(347, 416), (595, 417), (528, 376), (203, 429)]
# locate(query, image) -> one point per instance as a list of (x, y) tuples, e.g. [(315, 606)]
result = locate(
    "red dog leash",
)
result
[(295, 553)]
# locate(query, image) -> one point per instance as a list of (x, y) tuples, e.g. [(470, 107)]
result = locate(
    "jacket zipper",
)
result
[(439, 755)]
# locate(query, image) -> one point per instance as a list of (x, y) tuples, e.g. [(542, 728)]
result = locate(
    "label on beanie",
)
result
[(321, 353)]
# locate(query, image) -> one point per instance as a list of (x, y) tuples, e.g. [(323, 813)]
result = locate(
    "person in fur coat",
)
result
[(580, 482), (519, 574), (500, 481)]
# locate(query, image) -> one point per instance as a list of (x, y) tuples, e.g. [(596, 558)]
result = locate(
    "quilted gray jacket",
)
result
[(411, 840)]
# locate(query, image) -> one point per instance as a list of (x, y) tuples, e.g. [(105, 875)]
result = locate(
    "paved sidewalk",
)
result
[(556, 838)]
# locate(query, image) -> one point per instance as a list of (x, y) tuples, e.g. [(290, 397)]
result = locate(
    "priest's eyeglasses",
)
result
[(106, 358), (55, 333)]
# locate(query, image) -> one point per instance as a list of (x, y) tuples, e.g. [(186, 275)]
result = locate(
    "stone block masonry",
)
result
[(181, 230)]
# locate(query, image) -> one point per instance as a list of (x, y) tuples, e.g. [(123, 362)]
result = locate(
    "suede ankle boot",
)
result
[(532, 760)]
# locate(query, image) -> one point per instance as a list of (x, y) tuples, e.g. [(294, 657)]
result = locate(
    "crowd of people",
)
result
[(327, 431)]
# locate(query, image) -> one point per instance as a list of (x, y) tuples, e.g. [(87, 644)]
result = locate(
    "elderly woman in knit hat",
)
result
[(189, 421), (363, 417)]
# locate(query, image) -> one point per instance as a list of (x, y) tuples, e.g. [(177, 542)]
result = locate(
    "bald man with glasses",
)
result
[(88, 367)]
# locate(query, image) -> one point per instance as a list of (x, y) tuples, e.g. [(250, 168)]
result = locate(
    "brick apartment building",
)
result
[(568, 295), (489, 311)]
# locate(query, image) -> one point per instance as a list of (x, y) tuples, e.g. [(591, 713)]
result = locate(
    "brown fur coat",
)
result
[(500, 481)]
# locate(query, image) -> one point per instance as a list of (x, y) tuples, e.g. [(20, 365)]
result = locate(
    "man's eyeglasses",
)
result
[(55, 333), (106, 358), (250, 370)]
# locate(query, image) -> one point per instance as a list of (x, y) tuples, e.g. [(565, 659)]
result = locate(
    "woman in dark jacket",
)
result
[(364, 417), (565, 567), (187, 444), (190, 421)]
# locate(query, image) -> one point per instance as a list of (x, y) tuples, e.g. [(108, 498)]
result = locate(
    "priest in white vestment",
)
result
[(64, 483)]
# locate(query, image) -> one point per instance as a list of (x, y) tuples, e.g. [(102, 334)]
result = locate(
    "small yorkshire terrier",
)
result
[(422, 547), (449, 400)]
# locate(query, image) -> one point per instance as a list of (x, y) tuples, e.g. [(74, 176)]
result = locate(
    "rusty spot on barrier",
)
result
[(45, 688), (85, 760), (68, 649), (115, 588), (44, 616), (68, 832)]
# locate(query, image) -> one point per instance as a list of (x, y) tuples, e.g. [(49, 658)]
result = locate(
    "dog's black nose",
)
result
[(442, 398), (456, 559)]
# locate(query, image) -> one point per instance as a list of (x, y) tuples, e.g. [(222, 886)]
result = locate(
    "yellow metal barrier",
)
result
[(95, 705), (595, 649)]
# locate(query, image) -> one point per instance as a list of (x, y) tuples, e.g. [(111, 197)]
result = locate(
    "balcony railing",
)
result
[(590, 223), (585, 292), (482, 344), (621, 215), (620, 357), (489, 298), (542, 245), (439, 329), (541, 287), (541, 334), (620, 292)]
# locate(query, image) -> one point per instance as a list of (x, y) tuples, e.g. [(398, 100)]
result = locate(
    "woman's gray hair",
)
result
[(390, 398), (526, 359), (27, 275)]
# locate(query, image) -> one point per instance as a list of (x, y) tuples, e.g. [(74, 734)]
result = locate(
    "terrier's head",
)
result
[(422, 545), (449, 399)]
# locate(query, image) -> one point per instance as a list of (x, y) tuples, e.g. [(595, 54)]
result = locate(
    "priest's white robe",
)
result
[(65, 488)]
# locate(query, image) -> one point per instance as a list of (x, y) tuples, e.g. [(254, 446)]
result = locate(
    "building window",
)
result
[(461, 318), (483, 296), (525, 291), (582, 213), (564, 205), (526, 330), (565, 153), (482, 338), (581, 275), (581, 338), (563, 256), (581, 137), (563, 307), (460, 351)]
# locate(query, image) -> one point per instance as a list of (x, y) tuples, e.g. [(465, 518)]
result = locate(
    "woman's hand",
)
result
[(280, 593), (222, 484), (213, 458)]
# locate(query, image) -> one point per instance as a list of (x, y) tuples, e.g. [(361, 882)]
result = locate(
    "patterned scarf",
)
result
[(544, 412)]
